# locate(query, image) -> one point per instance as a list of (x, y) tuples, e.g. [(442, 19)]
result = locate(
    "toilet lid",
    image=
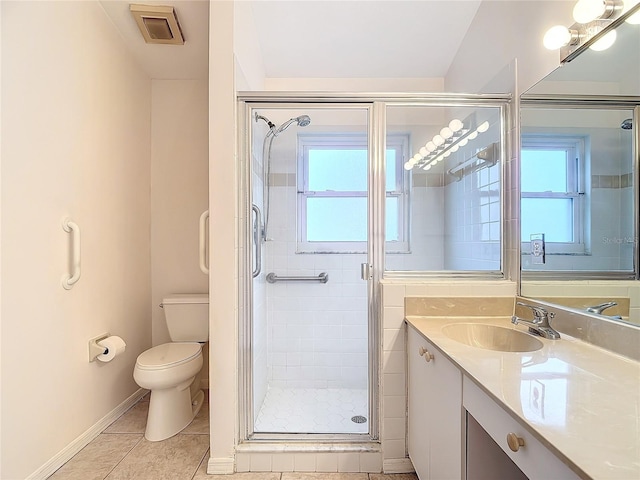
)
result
[(168, 355)]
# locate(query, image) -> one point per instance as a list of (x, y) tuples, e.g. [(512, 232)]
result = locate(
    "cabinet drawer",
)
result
[(533, 458)]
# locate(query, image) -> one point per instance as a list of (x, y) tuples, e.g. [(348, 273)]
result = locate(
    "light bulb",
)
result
[(431, 146), (556, 37), (408, 166), (456, 125), (447, 153), (424, 152), (605, 42), (635, 18), (412, 161), (427, 167), (463, 142), (438, 140), (455, 148), (473, 135), (446, 132), (484, 126), (417, 157), (440, 158), (586, 11)]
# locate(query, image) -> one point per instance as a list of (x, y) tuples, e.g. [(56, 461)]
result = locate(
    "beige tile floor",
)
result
[(121, 453)]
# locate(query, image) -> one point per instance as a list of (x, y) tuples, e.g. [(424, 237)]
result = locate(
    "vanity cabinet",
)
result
[(518, 445), (435, 413)]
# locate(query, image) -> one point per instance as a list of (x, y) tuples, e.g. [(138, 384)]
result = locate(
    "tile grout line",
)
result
[(200, 463), (125, 456)]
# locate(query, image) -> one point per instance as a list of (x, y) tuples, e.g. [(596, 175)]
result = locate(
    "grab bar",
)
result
[(68, 226), (257, 244), (202, 242), (322, 278)]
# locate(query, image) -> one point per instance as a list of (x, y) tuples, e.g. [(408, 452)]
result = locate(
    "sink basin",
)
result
[(492, 337)]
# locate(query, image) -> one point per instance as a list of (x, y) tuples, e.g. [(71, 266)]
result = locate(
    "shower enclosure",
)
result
[(310, 328), (332, 191)]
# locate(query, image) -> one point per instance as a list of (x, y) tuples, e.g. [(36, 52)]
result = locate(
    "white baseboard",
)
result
[(220, 466), (397, 465), (83, 440)]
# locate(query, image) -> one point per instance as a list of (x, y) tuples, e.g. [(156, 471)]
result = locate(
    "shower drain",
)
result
[(358, 419)]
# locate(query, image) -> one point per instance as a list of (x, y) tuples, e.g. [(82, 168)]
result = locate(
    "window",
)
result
[(552, 192), (332, 193)]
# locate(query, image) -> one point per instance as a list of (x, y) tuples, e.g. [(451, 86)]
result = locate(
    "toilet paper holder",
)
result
[(95, 349)]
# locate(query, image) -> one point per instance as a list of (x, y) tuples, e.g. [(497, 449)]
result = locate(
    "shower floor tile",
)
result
[(312, 410)]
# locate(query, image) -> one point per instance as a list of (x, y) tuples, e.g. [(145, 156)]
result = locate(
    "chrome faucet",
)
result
[(601, 308), (540, 324)]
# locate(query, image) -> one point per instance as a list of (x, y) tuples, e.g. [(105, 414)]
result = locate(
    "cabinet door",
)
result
[(446, 419), (418, 409), (435, 411)]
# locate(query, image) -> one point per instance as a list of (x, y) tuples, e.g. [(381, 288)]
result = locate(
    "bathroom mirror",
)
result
[(579, 180)]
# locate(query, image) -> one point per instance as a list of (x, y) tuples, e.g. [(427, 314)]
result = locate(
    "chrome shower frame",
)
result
[(376, 105)]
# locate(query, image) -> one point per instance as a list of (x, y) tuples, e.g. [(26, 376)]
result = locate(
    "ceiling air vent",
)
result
[(158, 24)]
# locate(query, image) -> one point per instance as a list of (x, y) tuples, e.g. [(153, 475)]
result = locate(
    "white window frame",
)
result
[(399, 142), (576, 160)]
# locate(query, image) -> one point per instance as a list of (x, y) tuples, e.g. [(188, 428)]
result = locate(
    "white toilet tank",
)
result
[(187, 316)]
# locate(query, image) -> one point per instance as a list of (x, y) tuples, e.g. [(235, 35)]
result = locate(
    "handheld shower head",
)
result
[(302, 121), (627, 124)]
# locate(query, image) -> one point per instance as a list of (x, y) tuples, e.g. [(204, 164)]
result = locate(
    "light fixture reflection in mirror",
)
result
[(605, 42)]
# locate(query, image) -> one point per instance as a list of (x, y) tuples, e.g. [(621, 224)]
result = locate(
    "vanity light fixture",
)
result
[(595, 25), (586, 11)]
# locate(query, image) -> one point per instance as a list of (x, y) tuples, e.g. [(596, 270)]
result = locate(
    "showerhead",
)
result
[(302, 121), (627, 124)]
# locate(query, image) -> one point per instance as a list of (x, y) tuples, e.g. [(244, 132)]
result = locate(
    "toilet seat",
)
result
[(168, 355)]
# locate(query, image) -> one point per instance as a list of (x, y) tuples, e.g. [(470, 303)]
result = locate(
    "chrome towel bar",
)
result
[(322, 278)]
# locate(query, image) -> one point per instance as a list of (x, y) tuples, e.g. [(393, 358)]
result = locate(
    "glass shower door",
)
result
[(310, 310)]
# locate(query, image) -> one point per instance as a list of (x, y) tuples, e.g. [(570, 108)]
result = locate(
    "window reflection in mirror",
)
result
[(452, 221), (591, 79), (577, 189)]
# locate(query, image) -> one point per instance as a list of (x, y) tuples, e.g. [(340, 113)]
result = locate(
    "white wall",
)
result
[(502, 31), (179, 191), (76, 141), (225, 248)]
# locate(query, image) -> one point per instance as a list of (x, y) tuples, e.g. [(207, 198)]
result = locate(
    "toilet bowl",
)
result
[(169, 370), (172, 370)]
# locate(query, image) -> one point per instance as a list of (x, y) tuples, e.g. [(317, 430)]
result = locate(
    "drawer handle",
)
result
[(428, 356), (514, 442)]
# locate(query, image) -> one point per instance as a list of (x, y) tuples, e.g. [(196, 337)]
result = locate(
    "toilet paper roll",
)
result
[(114, 346)]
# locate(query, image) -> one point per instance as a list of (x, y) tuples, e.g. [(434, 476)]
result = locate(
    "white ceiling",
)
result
[(361, 38), (316, 38)]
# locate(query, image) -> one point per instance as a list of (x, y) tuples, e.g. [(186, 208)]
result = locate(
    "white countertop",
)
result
[(582, 401)]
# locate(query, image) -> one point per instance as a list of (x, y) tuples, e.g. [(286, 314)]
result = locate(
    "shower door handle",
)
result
[(366, 271), (202, 242), (257, 226)]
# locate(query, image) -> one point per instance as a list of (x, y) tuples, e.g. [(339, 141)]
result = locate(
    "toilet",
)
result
[(172, 370)]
